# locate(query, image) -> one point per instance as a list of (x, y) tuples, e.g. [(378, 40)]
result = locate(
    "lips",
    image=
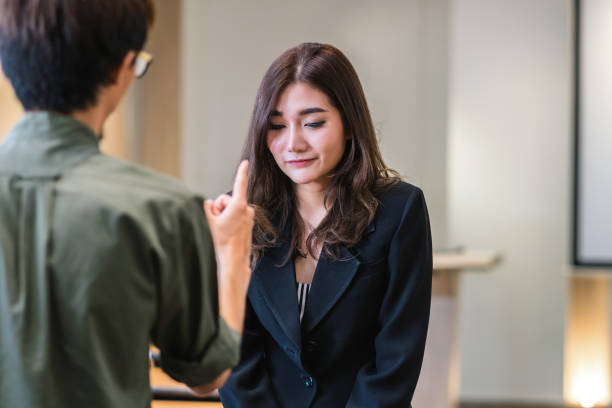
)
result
[(300, 162)]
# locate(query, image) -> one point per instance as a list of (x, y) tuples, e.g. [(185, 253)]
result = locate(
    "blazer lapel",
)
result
[(277, 287), (331, 279)]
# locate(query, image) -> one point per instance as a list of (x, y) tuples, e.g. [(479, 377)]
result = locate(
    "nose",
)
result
[(295, 139)]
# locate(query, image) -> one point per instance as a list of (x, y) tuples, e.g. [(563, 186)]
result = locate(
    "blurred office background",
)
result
[(472, 101)]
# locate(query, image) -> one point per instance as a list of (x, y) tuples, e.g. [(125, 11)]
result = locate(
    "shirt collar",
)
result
[(46, 144)]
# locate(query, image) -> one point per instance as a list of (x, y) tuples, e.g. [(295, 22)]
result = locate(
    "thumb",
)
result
[(208, 210)]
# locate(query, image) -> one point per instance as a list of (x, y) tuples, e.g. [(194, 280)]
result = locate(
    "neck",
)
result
[(93, 117), (310, 203)]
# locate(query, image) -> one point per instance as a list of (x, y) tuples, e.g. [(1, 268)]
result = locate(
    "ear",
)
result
[(126, 69)]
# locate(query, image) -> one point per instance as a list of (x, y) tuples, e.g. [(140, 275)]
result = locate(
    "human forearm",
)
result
[(231, 224), (232, 290), (215, 384)]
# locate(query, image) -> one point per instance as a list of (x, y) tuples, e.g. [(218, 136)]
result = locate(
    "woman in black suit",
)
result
[(338, 304)]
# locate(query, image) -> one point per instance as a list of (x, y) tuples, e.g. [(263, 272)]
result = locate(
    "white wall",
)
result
[(509, 178), (399, 49), (595, 194)]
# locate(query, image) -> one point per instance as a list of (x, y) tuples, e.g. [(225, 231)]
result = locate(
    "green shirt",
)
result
[(98, 259)]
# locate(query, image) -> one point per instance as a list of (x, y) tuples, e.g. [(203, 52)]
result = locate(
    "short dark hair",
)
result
[(57, 54)]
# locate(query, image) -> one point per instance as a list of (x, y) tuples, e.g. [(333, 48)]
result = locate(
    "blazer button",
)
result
[(311, 345), (308, 381)]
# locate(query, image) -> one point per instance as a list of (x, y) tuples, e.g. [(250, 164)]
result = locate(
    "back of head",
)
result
[(58, 54)]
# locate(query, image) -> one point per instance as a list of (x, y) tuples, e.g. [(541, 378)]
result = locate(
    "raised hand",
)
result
[(230, 219)]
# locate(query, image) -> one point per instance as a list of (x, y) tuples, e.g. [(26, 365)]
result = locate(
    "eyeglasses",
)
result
[(141, 63)]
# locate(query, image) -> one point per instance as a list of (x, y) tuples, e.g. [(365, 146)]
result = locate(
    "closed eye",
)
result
[(315, 124), (275, 127)]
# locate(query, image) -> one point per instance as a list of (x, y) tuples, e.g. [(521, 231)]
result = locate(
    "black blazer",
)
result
[(362, 337)]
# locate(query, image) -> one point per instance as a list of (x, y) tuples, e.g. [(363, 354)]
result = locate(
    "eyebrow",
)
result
[(302, 112)]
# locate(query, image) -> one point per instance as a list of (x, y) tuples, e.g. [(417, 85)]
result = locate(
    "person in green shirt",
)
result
[(99, 258)]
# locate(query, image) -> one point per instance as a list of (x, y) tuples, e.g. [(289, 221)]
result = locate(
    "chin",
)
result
[(301, 179)]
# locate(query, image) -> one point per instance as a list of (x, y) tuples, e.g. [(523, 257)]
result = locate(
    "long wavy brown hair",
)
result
[(360, 176)]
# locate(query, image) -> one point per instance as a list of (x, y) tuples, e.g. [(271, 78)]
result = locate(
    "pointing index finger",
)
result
[(240, 183)]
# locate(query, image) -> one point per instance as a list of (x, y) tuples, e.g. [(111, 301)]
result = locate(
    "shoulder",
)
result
[(400, 203), (399, 198), (401, 212), (120, 186)]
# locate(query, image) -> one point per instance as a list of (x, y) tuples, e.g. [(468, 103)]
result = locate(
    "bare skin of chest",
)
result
[(305, 268)]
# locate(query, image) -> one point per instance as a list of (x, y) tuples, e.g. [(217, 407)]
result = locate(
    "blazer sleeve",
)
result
[(390, 377), (249, 385)]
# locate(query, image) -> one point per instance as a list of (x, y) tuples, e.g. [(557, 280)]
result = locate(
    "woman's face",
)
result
[(305, 135)]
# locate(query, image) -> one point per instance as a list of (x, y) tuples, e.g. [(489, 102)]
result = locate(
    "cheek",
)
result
[(274, 144), (333, 145), (338, 151)]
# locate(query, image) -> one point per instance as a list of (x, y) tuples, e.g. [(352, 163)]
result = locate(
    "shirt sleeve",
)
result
[(196, 344)]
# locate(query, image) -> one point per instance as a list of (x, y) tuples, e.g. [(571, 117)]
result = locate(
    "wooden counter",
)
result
[(160, 379)]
